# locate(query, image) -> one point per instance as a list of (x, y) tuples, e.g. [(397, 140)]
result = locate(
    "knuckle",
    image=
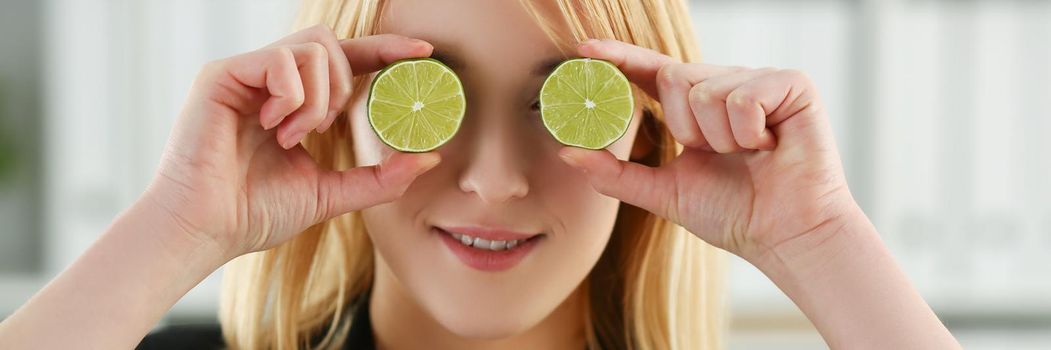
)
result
[(666, 75), (701, 94), (297, 97), (282, 55), (691, 138), (796, 75), (689, 141), (727, 146), (316, 115), (316, 51), (340, 97), (212, 68), (382, 187), (741, 99), (343, 88), (318, 31), (749, 140), (326, 33)]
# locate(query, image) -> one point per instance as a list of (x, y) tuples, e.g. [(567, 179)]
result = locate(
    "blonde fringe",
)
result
[(655, 287)]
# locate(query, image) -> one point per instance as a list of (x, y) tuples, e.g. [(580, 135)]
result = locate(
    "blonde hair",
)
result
[(656, 286)]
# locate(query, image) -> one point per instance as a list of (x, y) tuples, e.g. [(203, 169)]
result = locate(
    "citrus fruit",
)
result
[(586, 103), (416, 105)]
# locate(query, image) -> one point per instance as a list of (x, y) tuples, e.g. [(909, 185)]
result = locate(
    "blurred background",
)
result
[(941, 108)]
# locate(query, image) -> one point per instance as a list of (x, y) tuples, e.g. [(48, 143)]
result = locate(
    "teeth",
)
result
[(479, 243)]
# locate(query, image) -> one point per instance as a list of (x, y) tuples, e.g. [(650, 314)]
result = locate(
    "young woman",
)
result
[(350, 241)]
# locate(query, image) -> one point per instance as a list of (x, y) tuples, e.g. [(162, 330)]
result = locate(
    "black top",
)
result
[(210, 336)]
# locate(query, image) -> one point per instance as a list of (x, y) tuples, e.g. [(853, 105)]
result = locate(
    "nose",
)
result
[(496, 168)]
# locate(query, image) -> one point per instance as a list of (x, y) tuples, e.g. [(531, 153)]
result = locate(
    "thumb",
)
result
[(630, 182), (340, 192)]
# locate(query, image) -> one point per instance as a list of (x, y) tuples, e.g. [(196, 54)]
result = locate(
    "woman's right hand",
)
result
[(233, 174)]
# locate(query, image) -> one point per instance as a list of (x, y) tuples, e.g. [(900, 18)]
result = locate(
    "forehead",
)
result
[(480, 34)]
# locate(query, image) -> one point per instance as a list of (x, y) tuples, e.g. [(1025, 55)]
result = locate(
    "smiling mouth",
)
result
[(488, 244), (497, 251), (479, 243)]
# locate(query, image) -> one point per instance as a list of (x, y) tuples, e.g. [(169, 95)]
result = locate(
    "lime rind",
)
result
[(416, 105), (587, 103)]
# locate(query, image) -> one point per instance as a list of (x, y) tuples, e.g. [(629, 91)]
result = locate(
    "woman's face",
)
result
[(500, 178)]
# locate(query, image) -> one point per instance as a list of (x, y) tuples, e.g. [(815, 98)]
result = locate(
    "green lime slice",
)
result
[(416, 105), (587, 103)]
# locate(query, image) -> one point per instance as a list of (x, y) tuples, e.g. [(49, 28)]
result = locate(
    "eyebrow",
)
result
[(450, 57)]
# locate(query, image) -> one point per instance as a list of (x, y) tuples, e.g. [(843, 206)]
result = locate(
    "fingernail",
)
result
[(419, 42), (294, 139), (588, 48), (329, 119), (269, 122), (428, 161), (568, 156)]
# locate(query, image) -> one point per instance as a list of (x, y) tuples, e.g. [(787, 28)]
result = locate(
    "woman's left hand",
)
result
[(759, 166), (760, 176)]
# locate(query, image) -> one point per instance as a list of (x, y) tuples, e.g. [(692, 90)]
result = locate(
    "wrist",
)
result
[(173, 235), (845, 232), (841, 275)]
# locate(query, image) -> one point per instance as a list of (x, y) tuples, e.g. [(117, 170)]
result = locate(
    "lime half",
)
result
[(416, 105), (587, 103)]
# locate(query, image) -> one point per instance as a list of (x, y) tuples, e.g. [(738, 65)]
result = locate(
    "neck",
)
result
[(399, 322)]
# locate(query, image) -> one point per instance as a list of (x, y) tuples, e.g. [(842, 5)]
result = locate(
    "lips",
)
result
[(489, 234), (481, 243), (488, 249)]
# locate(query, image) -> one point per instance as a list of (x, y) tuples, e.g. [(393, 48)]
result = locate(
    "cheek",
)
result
[(586, 217)]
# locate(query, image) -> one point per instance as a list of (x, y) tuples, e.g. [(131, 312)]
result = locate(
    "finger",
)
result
[(762, 104), (630, 182), (312, 61), (748, 121), (640, 65), (272, 69), (369, 54), (674, 88), (708, 105), (675, 82), (338, 67), (362, 187)]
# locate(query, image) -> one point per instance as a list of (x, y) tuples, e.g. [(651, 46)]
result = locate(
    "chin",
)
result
[(480, 322)]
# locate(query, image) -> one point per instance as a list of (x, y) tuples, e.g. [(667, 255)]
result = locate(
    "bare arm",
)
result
[(847, 283), (117, 290)]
